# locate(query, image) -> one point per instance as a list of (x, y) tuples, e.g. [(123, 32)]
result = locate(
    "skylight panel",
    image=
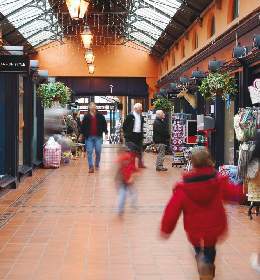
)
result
[(40, 38), (143, 38), (148, 28), (31, 20), (153, 16)]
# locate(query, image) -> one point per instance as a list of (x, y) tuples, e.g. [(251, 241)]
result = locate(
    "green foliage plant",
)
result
[(54, 92), (162, 103), (218, 84)]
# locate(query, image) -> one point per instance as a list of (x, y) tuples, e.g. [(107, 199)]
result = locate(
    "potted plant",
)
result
[(218, 84), (66, 156), (162, 103), (54, 92)]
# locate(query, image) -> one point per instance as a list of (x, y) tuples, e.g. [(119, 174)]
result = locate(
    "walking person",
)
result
[(133, 131), (199, 196), (93, 127), (124, 176), (161, 138)]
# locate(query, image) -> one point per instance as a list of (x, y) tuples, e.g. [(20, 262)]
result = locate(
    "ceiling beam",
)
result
[(189, 6)]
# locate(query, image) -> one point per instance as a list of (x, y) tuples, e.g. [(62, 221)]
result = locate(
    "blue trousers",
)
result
[(123, 190), (209, 254), (93, 143)]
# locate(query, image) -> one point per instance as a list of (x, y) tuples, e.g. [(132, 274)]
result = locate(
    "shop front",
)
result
[(244, 69), (20, 120)]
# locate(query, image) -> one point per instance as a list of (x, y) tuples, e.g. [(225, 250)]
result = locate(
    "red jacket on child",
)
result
[(127, 167), (199, 196)]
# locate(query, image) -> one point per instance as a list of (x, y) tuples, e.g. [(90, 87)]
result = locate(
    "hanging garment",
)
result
[(245, 153)]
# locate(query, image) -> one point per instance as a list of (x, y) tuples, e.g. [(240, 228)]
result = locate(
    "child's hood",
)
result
[(200, 185)]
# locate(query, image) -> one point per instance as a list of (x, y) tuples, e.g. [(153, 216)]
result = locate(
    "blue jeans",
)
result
[(123, 190), (93, 143), (209, 254)]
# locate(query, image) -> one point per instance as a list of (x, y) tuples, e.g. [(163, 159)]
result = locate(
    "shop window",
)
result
[(211, 26), (195, 41), (166, 65), (233, 10), (183, 50), (173, 59), (160, 69)]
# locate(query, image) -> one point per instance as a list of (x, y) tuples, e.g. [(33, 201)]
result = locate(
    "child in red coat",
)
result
[(199, 196), (124, 176)]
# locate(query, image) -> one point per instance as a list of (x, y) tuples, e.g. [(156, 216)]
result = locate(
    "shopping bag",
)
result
[(52, 154)]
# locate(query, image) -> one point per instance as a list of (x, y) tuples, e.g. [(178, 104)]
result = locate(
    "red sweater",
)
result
[(127, 167), (93, 126), (199, 196)]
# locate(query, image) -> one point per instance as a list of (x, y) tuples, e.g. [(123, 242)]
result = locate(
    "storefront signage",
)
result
[(99, 107), (14, 64)]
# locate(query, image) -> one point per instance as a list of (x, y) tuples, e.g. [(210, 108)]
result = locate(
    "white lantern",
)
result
[(91, 68), (87, 37), (89, 56), (77, 8)]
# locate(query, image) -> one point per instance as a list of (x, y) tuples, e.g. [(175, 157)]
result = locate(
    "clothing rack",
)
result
[(246, 124)]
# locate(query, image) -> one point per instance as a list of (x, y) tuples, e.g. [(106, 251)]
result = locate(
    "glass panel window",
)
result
[(195, 40), (33, 19), (173, 59), (235, 9), (151, 17)]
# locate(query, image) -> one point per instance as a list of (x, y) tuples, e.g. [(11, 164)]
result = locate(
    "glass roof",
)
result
[(33, 19), (150, 18)]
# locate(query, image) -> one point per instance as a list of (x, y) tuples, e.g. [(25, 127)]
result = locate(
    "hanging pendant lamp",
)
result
[(87, 37), (91, 68), (77, 8), (89, 56)]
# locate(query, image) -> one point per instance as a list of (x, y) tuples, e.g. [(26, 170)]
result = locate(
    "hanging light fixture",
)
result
[(87, 37), (91, 68), (77, 8), (89, 56)]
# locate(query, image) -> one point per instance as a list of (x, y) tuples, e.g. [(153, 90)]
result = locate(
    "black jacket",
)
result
[(128, 126), (101, 125), (160, 132)]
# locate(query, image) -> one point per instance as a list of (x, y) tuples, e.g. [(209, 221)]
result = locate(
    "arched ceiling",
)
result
[(154, 24)]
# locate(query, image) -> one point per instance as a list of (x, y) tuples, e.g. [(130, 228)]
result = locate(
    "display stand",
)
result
[(149, 119), (178, 138)]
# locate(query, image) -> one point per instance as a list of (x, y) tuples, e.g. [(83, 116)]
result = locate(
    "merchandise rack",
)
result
[(178, 138), (149, 118)]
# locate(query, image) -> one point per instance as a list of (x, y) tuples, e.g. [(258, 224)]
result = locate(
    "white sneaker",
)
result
[(255, 262)]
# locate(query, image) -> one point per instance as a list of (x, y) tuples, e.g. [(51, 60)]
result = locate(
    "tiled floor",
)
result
[(61, 224)]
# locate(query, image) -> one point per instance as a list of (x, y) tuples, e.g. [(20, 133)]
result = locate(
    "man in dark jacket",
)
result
[(161, 138), (133, 131), (93, 126)]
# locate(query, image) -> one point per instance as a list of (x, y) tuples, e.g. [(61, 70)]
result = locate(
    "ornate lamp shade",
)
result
[(89, 56), (91, 68), (77, 8), (87, 37)]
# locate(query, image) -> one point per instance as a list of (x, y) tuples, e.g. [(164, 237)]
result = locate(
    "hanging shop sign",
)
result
[(14, 64), (99, 106)]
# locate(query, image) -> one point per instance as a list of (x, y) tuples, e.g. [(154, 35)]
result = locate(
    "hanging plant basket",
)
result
[(218, 84), (162, 103), (52, 93)]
